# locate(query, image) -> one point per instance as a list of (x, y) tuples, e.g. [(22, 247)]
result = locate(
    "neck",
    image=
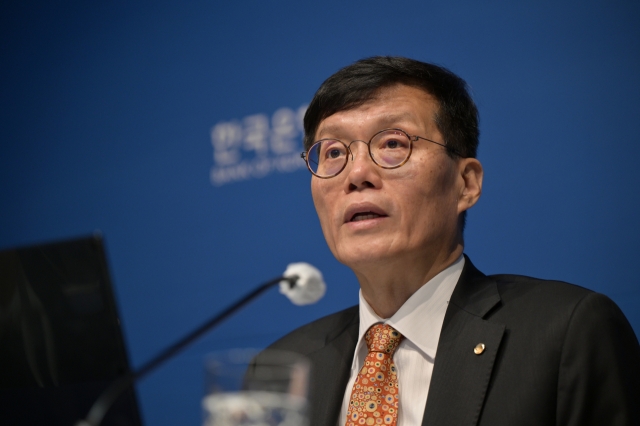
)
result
[(387, 284)]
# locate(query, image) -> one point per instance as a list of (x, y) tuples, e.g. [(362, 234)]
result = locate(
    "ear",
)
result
[(471, 174)]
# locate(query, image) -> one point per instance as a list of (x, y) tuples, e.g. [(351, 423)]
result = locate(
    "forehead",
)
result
[(394, 106)]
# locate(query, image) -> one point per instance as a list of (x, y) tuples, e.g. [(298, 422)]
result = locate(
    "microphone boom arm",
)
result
[(111, 394)]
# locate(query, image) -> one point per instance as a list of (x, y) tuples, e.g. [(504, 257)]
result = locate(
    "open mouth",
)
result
[(364, 216)]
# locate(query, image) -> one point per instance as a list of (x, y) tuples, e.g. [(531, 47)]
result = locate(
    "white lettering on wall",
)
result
[(257, 145)]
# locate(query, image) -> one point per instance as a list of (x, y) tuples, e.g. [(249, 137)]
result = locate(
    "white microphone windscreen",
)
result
[(309, 287)]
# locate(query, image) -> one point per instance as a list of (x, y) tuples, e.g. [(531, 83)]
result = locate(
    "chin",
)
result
[(360, 256)]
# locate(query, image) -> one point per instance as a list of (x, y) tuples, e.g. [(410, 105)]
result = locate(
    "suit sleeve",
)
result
[(599, 375)]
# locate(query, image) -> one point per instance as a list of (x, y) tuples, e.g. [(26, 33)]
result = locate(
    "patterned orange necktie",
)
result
[(374, 398)]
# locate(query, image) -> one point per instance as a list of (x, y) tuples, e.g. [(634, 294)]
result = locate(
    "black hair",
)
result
[(354, 85)]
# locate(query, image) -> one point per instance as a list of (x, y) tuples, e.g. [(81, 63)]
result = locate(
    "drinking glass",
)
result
[(242, 390)]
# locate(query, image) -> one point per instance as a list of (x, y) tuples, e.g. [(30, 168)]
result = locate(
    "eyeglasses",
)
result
[(389, 149)]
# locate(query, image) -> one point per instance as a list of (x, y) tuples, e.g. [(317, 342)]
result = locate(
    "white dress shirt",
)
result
[(419, 320)]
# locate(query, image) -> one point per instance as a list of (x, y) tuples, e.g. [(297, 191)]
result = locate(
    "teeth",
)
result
[(364, 216)]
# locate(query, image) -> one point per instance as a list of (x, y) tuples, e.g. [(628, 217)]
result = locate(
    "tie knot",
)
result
[(382, 338)]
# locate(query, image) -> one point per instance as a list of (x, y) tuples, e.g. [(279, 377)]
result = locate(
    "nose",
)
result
[(362, 173)]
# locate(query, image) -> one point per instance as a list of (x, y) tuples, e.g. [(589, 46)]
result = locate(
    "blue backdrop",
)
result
[(173, 128)]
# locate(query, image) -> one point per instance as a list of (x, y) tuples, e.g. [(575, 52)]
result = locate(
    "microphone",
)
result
[(308, 289), (301, 283)]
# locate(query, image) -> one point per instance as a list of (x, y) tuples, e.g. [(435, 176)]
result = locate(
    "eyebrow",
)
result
[(385, 121)]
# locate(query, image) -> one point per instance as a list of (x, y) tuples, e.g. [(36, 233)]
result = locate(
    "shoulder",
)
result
[(521, 290), (549, 298), (510, 298), (536, 308), (316, 334), (533, 298), (547, 310)]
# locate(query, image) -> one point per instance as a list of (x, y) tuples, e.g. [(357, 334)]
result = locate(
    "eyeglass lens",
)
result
[(388, 148)]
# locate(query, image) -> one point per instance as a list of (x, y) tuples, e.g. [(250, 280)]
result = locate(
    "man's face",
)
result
[(369, 214)]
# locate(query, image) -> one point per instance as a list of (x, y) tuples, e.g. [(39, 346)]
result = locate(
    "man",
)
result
[(391, 143)]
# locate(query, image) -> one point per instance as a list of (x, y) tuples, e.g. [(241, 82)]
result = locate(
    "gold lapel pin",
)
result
[(478, 349)]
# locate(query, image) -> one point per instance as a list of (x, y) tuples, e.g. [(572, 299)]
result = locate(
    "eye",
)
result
[(390, 148), (331, 150), (392, 143), (333, 153)]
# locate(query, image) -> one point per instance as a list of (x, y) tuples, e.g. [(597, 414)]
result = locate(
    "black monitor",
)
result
[(61, 343)]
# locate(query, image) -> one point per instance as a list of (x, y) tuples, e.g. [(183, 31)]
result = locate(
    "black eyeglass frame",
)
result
[(412, 138)]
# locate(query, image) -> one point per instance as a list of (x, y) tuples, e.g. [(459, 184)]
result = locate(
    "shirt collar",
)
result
[(420, 318)]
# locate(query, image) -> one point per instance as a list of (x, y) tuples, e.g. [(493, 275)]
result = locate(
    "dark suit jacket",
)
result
[(556, 354)]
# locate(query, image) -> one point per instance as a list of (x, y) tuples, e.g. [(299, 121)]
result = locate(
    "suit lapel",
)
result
[(460, 376), (332, 367)]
